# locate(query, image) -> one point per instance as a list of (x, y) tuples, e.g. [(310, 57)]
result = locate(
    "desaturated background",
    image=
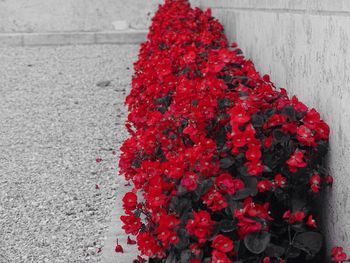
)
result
[(65, 69), (73, 15)]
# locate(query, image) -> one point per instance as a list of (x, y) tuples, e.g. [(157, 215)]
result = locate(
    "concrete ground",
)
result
[(55, 199)]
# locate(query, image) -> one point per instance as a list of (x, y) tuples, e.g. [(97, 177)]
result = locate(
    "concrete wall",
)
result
[(73, 15), (305, 46)]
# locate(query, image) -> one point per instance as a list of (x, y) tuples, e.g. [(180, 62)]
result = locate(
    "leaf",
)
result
[(226, 162), (184, 241), (242, 194), (202, 188), (298, 204), (251, 182), (227, 226), (257, 242), (310, 242), (290, 112), (267, 169), (181, 191), (223, 103), (299, 228), (322, 147), (257, 120), (232, 204), (294, 252), (273, 250)]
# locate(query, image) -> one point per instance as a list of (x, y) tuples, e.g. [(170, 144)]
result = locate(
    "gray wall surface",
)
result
[(304, 46), (73, 15)]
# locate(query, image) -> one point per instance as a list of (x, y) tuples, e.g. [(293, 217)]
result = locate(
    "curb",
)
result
[(115, 232), (73, 38)]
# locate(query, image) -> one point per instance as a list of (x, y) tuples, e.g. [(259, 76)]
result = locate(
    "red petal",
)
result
[(130, 241), (119, 249)]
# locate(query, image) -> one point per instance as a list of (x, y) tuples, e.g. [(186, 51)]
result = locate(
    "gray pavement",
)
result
[(54, 122)]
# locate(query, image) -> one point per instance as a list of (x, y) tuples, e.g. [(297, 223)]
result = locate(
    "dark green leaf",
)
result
[(222, 103), (273, 250), (257, 242), (257, 120), (227, 226), (251, 182), (204, 187), (293, 252), (310, 242), (298, 204), (290, 112), (242, 194), (181, 190), (226, 162)]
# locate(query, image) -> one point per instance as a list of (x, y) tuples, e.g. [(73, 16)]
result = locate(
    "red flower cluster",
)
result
[(227, 164), (338, 255)]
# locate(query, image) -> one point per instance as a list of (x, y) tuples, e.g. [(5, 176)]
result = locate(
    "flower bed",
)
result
[(227, 166)]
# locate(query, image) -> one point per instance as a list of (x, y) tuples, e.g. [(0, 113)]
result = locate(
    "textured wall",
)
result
[(304, 46), (72, 15)]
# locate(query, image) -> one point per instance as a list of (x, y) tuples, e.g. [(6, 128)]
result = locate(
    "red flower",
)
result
[(222, 243), (247, 226), (166, 235), (253, 154), (132, 224), (338, 254), (305, 136), (275, 120), (322, 131), (298, 106), (280, 181), (329, 180), (315, 183), (268, 141), (189, 181), (148, 245), (98, 159), (254, 168), (266, 260), (239, 115), (155, 197), (220, 257), (292, 218), (238, 139), (200, 226), (311, 222), (227, 184), (296, 161), (130, 201), (264, 185), (311, 118), (214, 200)]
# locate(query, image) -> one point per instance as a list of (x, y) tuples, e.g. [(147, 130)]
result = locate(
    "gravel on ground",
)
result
[(55, 199)]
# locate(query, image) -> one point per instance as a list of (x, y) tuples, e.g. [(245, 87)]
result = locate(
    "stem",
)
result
[(291, 241)]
